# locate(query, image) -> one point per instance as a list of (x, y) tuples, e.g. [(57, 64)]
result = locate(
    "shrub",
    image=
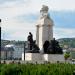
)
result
[(66, 55)]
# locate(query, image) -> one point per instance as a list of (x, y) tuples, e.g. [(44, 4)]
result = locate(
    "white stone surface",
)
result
[(44, 28), (53, 57), (22, 56), (43, 57), (32, 56)]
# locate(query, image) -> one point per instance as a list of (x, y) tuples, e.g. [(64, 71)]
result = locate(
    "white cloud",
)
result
[(64, 32), (11, 9), (12, 26), (19, 31)]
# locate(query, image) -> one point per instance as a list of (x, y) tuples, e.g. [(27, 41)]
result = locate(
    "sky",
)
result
[(19, 17)]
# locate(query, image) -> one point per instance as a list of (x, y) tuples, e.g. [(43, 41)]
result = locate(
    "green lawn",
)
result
[(37, 69)]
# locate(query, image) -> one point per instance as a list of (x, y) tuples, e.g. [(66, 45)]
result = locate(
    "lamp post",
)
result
[(24, 51), (0, 40)]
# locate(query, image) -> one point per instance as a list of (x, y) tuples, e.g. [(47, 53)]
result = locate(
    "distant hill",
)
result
[(6, 42), (70, 42)]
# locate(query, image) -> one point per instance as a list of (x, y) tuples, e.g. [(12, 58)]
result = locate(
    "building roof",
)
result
[(7, 49), (9, 45)]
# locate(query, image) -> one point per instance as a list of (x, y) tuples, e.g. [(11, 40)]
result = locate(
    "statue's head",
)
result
[(44, 8), (44, 11), (53, 38), (29, 32), (0, 20)]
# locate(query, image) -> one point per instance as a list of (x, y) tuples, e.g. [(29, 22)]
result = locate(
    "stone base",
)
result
[(53, 57), (43, 57), (32, 56)]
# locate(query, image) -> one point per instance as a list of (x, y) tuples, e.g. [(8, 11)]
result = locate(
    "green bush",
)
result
[(66, 55), (38, 69)]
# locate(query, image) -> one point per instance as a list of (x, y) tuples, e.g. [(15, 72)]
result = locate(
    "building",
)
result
[(18, 50), (7, 53), (72, 53), (44, 27), (18, 47)]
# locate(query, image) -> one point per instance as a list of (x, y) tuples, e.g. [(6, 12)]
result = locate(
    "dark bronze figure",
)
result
[(32, 47), (30, 41)]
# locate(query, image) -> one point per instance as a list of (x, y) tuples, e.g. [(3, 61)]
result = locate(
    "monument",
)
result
[(44, 41), (44, 27)]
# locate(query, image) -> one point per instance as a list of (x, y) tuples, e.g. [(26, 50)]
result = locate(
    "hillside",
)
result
[(6, 42), (70, 42)]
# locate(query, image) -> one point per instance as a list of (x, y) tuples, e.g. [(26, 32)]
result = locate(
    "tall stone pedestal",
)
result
[(44, 27)]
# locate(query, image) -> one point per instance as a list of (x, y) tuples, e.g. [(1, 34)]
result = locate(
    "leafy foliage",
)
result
[(63, 41), (70, 42), (37, 69), (66, 55)]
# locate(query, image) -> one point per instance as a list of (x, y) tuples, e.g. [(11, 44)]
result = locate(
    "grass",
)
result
[(37, 69)]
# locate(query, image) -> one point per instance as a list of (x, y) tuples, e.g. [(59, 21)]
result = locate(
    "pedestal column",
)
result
[(37, 35)]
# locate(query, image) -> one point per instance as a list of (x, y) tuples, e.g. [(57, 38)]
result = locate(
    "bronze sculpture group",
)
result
[(51, 47)]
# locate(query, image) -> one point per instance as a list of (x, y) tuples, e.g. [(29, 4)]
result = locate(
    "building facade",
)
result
[(18, 50), (7, 53)]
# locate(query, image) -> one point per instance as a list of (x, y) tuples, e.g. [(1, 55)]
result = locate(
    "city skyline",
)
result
[(19, 17)]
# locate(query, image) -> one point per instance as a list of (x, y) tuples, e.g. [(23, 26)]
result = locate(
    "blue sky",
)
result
[(19, 17)]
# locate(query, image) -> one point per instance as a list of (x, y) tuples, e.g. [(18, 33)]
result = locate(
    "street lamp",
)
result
[(0, 40), (24, 51)]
